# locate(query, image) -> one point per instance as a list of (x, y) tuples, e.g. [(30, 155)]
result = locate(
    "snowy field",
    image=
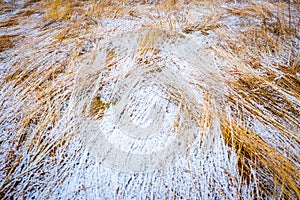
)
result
[(149, 100)]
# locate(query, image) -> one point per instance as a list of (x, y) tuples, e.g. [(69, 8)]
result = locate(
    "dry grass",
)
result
[(8, 23), (59, 10), (258, 92), (257, 155), (151, 40), (97, 108), (7, 42), (57, 65)]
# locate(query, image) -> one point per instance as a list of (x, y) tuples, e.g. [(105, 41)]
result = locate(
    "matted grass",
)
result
[(231, 67)]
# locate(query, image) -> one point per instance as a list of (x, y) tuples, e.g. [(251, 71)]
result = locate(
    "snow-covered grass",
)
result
[(158, 100)]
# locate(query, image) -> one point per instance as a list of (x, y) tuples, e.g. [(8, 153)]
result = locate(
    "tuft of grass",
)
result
[(208, 23), (106, 8), (257, 156), (8, 23), (150, 41), (263, 87), (7, 42), (59, 10), (97, 108)]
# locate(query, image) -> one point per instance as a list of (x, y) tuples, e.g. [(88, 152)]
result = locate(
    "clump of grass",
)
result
[(59, 10), (6, 42), (169, 4), (97, 108), (257, 92), (106, 8), (257, 156), (28, 3), (150, 41), (8, 23), (66, 33), (209, 23)]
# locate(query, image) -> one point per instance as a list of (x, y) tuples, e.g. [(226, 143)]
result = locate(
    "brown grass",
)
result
[(97, 108), (8, 23), (59, 10), (257, 92), (255, 154), (7, 42), (150, 41), (262, 62)]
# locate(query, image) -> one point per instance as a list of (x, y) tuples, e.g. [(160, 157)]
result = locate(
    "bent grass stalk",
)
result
[(261, 86)]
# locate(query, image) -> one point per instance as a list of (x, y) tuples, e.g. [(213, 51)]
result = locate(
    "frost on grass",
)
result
[(102, 100), (151, 100)]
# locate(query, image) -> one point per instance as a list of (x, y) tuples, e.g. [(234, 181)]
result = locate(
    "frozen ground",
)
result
[(150, 102)]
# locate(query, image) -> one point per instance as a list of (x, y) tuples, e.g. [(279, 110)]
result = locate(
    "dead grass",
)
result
[(151, 40), (209, 23), (59, 10), (258, 92), (254, 154), (7, 42), (97, 108), (104, 8), (8, 23), (262, 86)]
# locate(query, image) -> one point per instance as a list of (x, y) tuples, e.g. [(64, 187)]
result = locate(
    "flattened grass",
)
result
[(262, 86)]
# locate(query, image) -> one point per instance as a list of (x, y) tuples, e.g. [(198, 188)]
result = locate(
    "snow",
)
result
[(153, 141)]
